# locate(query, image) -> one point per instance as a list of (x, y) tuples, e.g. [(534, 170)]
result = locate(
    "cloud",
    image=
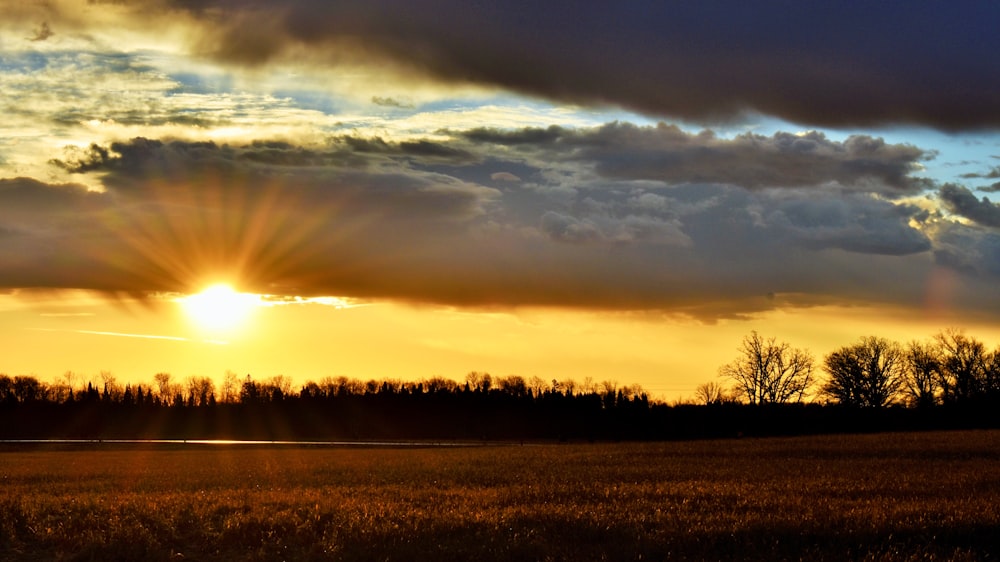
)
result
[(851, 223), (504, 176), (176, 213), (589, 224), (564, 228), (993, 174), (386, 101), (49, 241), (838, 64), (962, 202), (972, 250), (668, 154), (42, 33)]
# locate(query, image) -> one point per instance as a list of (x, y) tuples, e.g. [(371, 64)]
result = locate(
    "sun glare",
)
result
[(220, 308)]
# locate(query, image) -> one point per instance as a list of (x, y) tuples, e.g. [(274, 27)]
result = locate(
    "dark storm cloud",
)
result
[(312, 175), (668, 154), (858, 224), (366, 217), (48, 234), (22, 197), (822, 63), (971, 250), (962, 202), (268, 213)]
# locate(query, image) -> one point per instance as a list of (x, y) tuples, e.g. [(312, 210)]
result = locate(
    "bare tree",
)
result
[(566, 386), (633, 391), (282, 383), (110, 385), (867, 374), (473, 379), (27, 388), (963, 366), (58, 391), (538, 385), (608, 386), (513, 385), (770, 372), (711, 392), (311, 390), (922, 373), (6, 389), (230, 387), (991, 374), (70, 377), (163, 386), (440, 384), (200, 391)]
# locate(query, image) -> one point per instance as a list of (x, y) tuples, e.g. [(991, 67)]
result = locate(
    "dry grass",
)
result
[(876, 497)]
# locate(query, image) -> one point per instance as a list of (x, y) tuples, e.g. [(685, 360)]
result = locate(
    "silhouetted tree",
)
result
[(27, 389), (710, 392), (440, 384), (991, 374), (201, 390), (566, 386), (163, 386), (230, 387), (922, 373), (6, 389), (112, 389), (311, 390), (770, 372), (537, 385), (280, 385), (70, 378), (513, 385), (962, 372), (249, 392), (868, 374)]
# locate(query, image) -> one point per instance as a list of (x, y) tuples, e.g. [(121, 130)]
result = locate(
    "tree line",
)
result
[(952, 368), (770, 388), (482, 407), (202, 391)]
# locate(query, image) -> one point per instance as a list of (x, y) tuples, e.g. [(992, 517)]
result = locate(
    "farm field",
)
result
[(868, 497)]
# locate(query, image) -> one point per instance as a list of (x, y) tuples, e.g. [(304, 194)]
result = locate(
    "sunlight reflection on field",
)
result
[(237, 442), (888, 497)]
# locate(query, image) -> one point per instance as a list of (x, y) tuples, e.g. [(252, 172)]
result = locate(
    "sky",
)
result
[(404, 190)]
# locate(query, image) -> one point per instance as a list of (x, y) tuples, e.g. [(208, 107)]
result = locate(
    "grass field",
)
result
[(876, 497)]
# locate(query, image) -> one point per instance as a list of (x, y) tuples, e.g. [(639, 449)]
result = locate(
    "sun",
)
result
[(220, 308)]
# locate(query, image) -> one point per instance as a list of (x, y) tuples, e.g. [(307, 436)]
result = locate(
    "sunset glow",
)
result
[(614, 192), (220, 308)]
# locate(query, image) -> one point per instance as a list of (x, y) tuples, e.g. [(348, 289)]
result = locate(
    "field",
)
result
[(876, 497)]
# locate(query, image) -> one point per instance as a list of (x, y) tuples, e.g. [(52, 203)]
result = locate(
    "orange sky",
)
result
[(668, 357)]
